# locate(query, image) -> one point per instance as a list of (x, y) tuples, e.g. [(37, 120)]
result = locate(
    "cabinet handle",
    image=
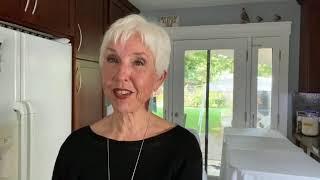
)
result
[(35, 7), (80, 79), (27, 5), (80, 32)]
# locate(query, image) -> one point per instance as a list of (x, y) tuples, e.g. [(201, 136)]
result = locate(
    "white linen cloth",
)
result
[(256, 132), (271, 165), (264, 154)]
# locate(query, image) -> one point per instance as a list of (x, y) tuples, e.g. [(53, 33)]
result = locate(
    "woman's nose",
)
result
[(123, 72)]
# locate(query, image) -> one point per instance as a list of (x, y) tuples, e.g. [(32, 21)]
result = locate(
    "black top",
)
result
[(173, 155)]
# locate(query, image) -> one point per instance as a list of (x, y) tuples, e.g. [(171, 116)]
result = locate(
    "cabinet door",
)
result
[(10, 9), (118, 9), (89, 29), (55, 17), (88, 96), (309, 43)]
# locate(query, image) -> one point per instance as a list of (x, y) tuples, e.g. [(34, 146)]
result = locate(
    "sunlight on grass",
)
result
[(193, 119)]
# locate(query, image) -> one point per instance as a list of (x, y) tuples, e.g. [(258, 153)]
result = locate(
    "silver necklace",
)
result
[(137, 161)]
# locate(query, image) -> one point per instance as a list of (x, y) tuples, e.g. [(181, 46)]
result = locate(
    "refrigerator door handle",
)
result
[(21, 109), (0, 54)]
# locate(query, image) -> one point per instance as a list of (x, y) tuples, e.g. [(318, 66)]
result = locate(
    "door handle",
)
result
[(0, 56), (21, 109)]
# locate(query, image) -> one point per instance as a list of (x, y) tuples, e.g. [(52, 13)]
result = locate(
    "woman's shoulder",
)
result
[(185, 136), (176, 135), (78, 138)]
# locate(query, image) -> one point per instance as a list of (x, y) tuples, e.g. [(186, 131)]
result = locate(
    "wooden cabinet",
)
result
[(55, 16), (91, 21), (88, 101), (309, 73), (89, 29), (118, 9), (9, 9), (52, 17)]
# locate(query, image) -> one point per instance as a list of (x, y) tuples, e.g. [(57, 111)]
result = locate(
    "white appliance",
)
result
[(35, 104)]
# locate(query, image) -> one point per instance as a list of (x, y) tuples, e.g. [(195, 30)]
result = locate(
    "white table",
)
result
[(260, 154)]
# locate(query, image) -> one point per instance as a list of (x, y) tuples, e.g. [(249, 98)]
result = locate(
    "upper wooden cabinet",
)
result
[(92, 20), (9, 9), (89, 29), (118, 9), (309, 73), (52, 17)]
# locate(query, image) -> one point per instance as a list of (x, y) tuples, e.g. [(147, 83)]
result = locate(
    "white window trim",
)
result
[(267, 29)]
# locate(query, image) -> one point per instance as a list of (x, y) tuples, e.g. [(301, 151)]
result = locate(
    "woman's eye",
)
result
[(139, 62), (112, 59)]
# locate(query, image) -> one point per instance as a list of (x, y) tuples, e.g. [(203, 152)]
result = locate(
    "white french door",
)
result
[(217, 83), (231, 80), (207, 90), (264, 82)]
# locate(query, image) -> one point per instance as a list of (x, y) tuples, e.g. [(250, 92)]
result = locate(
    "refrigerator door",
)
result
[(10, 93), (46, 89)]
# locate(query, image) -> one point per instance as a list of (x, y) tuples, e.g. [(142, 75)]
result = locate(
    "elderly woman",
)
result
[(131, 143)]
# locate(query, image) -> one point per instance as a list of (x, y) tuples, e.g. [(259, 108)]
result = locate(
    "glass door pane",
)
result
[(265, 82), (195, 78), (264, 87), (220, 104), (204, 100), (156, 104), (220, 96)]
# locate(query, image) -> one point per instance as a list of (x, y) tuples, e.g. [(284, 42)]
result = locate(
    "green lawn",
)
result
[(193, 118)]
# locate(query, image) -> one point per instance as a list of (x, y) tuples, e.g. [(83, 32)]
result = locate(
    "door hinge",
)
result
[(245, 119), (278, 120), (247, 55), (280, 55)]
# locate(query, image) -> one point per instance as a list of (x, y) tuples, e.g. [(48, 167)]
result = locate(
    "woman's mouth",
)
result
[(122, 93)]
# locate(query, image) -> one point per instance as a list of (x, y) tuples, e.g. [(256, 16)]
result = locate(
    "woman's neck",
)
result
[(129, 126)]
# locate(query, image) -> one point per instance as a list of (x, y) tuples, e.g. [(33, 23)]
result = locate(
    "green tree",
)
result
[(195, 63), (220, 64), (196, 66), (264, 70)]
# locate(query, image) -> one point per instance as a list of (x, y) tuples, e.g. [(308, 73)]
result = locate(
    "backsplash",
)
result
[(306, 101)]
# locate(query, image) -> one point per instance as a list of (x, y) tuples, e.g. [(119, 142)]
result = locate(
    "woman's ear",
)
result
[(160, 80)]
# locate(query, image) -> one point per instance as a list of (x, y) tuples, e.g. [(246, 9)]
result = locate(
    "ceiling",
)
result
[(148, 5)]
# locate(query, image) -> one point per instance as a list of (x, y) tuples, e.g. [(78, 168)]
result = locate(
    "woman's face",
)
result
[(129, 75)]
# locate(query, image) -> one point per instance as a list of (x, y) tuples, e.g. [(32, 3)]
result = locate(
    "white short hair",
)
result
[(152, 35)]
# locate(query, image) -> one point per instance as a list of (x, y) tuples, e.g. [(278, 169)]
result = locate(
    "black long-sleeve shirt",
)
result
[(172, 155)]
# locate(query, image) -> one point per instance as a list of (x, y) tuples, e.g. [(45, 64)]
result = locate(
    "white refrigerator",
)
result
[(35, 104)]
